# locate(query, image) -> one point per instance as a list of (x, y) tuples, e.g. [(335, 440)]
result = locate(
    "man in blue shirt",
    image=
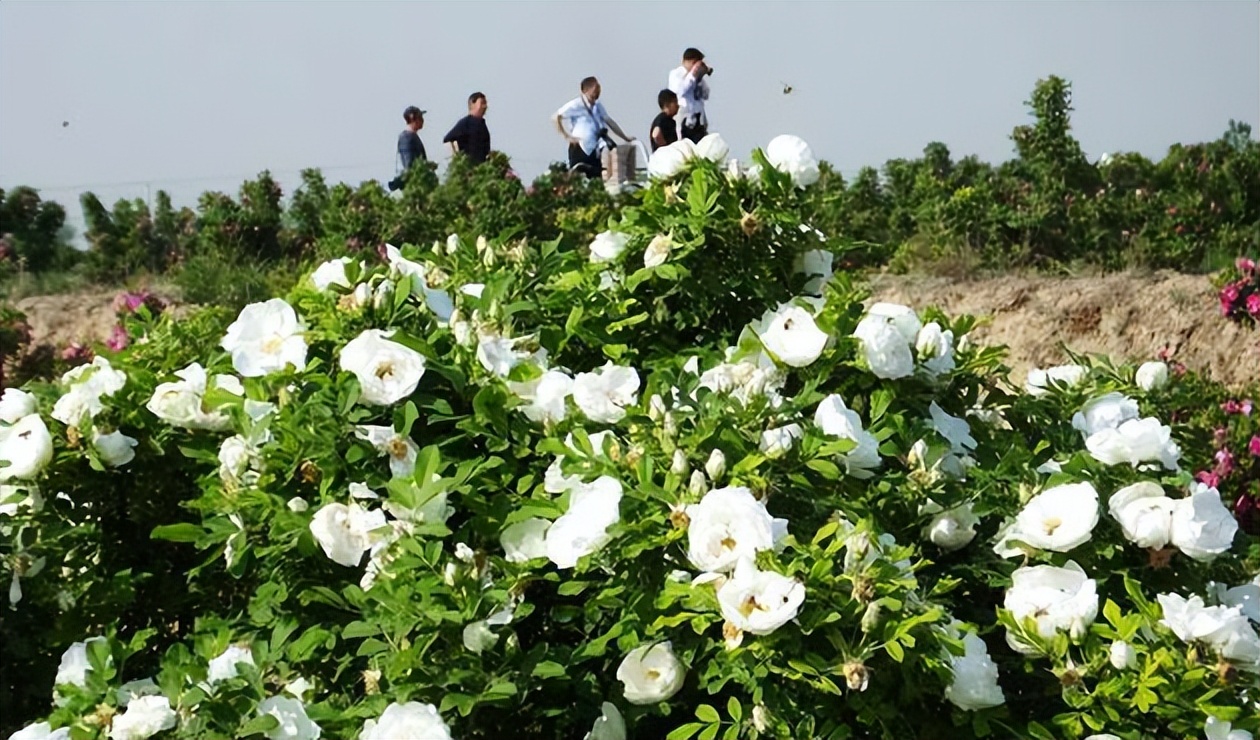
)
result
[(588, 129), (470, 134), (410, 148)]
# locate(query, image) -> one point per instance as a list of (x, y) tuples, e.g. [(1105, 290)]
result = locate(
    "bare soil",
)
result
[(1128, 316)]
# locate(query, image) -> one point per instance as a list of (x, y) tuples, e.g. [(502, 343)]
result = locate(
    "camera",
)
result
[(604, 137)]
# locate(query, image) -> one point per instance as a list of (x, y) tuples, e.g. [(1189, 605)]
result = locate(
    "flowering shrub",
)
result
[(1240, 292), (675, 482)]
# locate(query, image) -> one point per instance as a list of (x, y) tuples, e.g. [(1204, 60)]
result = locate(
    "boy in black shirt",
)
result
[(470, 134), (664, 128)]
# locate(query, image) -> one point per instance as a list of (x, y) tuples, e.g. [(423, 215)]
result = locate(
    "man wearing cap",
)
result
[(410, 148), (688, 83), (470, 134)]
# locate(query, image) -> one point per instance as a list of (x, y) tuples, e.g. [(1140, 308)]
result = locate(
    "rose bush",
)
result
[(615, 490)]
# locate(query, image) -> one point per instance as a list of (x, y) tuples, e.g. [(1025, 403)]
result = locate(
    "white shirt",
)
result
[(585, 121), (691, 94)]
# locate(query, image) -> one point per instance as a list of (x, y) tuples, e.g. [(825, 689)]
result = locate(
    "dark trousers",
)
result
[(588, 164), (694, 133)]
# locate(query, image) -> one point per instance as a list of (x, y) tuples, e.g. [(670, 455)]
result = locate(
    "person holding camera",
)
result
[(588, 126), (688, 83), (410, 148)]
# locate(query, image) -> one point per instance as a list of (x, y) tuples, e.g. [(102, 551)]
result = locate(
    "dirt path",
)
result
[(1127, 316)]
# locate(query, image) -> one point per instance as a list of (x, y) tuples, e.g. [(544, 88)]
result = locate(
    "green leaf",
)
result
[(684, 732), (706, 713), (178, 532), (259, 726), (549, 669), (734, 709)]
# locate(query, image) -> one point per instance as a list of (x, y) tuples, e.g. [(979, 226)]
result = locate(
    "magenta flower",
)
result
[(1247, 512), (118, 338), (1253, 305), (77, 354), (1224, 462), (1229, 296), (1208, 478), (1254, 446), (1245, 264)]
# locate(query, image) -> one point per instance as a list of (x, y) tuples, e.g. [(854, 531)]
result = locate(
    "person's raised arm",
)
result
[(683, 84), (612, 125)]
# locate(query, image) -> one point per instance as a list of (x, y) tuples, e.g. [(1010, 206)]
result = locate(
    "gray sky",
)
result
[(193, 96)]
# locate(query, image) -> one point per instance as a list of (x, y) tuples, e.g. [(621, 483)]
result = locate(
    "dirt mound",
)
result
[(1126, 316)]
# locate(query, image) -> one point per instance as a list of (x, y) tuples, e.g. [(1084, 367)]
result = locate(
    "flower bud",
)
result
[(669, 425), (856, 675), (1122, 655), (679, 465), (656, 407), (698, 486), (871, 617), (452, 244), (487, 258), (482, 244), (716, 466)]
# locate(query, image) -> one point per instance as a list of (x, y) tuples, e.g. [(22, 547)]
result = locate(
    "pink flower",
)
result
[(1253, 304), (1208, 479), (118, 338), (1254, 446), (1245, 264), (1224, 462), (1229, 296), (1219, 435), (1245, 407), (77, 354)]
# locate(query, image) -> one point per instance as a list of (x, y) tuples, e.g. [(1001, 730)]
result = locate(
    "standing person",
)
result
[(588, 128), (688, 83), (470, 134), (664, 129), (410, 148)]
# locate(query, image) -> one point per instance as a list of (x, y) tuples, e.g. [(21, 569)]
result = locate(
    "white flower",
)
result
[(727, 524), (956, 431), (266, 338), (478, 637), (223, 667), (950, 529), (500, 354), (603, 395), (1135, 442), (545, 396), (387, 371), (816, 265), (345, 532), (294, 724), (759, 602), (1058, 519), (1223, 628), (935, 349), (608, 246), (297, 504), (583, 529), (1105, 412), (1040, 382), (74, 665), (747, 379), (975, 685), (835, 419), (144, 717), (525, 541), (1145, 514), (298, 687), (657, 250), (410, 721), (330, 273), (86, 385), (885, 349), (14, 404), (115, 449), (670, 159), (1122, 655), (401, 450), (651, 673), (181, 403), (1201, 525), (713, 148), (1058, 599), (42, 731), (715, 466), (1246, 597), (903, 318), (1219, 729), (25, 448), (791, 335), (1152, 376), (779, 441), (790, 154), (609, 726)]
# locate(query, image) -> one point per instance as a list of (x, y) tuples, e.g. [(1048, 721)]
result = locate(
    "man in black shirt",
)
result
[(410, 148), (664, 129), (470, 134)]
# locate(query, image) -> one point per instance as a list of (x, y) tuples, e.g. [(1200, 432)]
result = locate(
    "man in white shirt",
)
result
[(588, 128), (689, 85)]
